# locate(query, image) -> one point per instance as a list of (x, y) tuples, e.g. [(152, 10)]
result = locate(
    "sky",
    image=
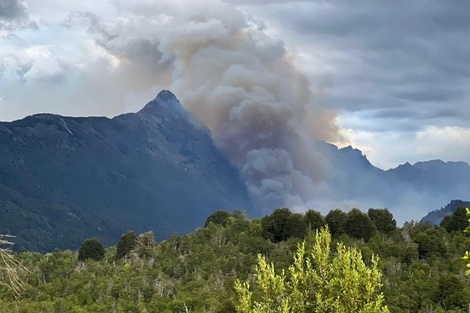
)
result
[(389, 78)]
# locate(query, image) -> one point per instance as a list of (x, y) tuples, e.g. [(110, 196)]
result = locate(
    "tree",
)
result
[(91, 249), (430, 242), (457, 221), (383, 220), (145, 244), (295, 226), (126, 244), (336, 220), (219, 217), (314, 220), (282, 224), (450, 293), (466, 257), (359, 225), (10, 268), (318, 281)]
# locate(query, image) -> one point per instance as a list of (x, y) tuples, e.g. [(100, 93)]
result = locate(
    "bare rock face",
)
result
[(64, 179)]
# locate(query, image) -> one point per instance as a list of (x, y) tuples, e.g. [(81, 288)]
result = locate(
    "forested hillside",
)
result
[(65, 178), (422, 266), (437, 216)]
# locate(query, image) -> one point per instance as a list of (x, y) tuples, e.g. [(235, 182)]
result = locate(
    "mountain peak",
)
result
[(425, 165), (165, 103), (166, 95)]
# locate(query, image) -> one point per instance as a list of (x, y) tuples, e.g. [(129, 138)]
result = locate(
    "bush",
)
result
[(91, 249)]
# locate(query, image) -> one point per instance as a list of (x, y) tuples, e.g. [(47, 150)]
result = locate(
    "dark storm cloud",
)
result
[(402, 56), (12, 9), (424, 94), (13, 17)]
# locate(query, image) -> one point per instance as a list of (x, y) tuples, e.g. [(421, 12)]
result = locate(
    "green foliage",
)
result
[(317, 281), (282, 224), (145, 244), (314, 220), (358, 225), (196, 272), (91, 249), (219, 217), (430, 243), (336, 220), (466, 257), (457, 221), (450, 292), (126, 244), (383, 220), (40, 225)]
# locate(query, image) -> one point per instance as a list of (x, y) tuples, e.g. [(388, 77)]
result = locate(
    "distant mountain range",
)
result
[(407, 190), (64, 179)]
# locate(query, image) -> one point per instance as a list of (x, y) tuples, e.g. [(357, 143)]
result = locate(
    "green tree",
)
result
[(126, 244), (281, 225), (219, 217), (466, 257), (431, 242), (91, 249), (145, 244), (359, 225), (457, 221), (296, 226), (317, 281), (314, 220), (450, 293), (336, 220), (383, 220)]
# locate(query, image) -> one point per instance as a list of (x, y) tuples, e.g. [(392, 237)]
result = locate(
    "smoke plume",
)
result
[(240, 82)]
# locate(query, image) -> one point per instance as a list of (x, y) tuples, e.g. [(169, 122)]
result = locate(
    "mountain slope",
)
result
[(157, 169), (436, 217), (409, 190)]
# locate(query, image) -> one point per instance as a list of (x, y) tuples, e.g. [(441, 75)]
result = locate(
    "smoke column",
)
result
[(243, 84)]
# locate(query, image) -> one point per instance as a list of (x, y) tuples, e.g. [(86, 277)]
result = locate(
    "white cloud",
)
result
[(44, 70), (446, 143)]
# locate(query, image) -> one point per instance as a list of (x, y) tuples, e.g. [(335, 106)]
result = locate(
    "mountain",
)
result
[(64, 179), (407, 190), (435, 217), (351, 175)]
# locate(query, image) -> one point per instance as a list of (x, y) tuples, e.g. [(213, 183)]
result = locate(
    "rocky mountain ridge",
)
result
[(66, 178)]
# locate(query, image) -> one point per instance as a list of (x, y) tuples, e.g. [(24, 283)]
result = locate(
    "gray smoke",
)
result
[(243, 84)]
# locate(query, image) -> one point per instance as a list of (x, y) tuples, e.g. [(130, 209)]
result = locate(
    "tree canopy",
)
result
[(126, 244), (91, 249), (317, 281), (421, 267)]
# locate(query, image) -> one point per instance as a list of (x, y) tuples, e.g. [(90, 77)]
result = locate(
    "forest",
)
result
[(420, 267)]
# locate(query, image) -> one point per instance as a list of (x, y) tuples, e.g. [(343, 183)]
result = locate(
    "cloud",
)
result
[(407, 56), (449, 143), (12, 9)]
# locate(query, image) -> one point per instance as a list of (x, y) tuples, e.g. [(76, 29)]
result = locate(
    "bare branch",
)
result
[(11, 267)]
